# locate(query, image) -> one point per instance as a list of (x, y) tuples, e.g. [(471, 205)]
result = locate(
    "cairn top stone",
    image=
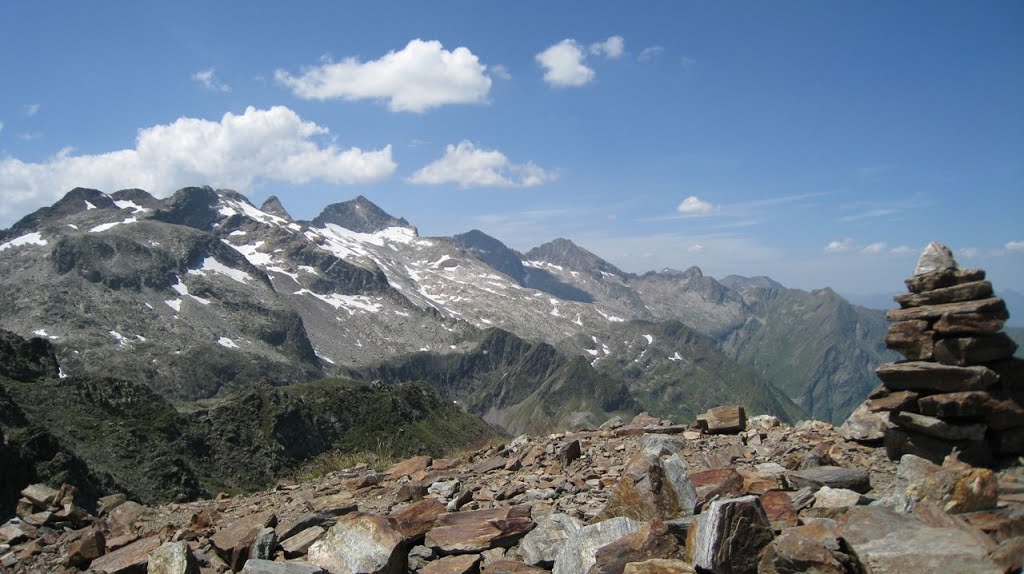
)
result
[(936, 257)]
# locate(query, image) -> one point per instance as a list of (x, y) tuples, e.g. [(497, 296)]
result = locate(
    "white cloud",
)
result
[(696, 249), (421, 76), (648, 53), (274, 144), (694, 205), (901, 250), (1014, 246), (563, 65), (969, 251), (1, 126), (501, 72), (687, 61), (880, 212), (839, 246), (32, 109), (207, 79), (874, 248), (29, 136), (468, 166), (612, 48)]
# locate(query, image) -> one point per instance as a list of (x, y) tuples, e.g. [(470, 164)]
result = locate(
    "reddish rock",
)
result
[(489, 464), (993, 306), (726, 420), (969, 324), (779, 508), (720, 482), (810, 548), (969, 291), (418, 518), (653, 540), (659, 566), (934, 377), (233, 540), (510, 567), (942, 278), (887, 400), (409, 466), (463, 564), (479, 530), (127, 559), (974, 350), (90, 546)]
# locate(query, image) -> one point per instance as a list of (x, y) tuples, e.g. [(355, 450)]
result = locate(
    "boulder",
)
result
[(489, 464), (478, 530), (651, 488), (298, 545), (510, 567), (943, 278), (779, 508), (360, 544), (865, 425), (716, 482), (541, 545), (652, 540), (578, 553), (969, 324), (415, 520), (268, 567), (172, 558), (956, 487), (726, 420), (809, 548), (855, 479), (912, 339), (126, 559), (410, 466), (729, 535), (40, 495), (924, 550), (935, 258), (901, 441), (286, 530), (264, 544), (89, 546), (234, 540), (934, 377), (827, 497), (569, 453)]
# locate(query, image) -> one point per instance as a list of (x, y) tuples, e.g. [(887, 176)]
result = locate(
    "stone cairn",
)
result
[(960, 388)]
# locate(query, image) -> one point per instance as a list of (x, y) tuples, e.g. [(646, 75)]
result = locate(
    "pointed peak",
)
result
[(565, 253), (360, 215), (273, 206), (693, 272)]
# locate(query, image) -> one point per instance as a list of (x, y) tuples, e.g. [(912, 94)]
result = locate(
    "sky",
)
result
[(819, 143)]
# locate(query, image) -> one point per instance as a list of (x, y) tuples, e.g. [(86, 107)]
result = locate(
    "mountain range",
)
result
[(200, 296)]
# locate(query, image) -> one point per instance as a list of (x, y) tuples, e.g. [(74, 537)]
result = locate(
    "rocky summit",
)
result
[(646, 496)]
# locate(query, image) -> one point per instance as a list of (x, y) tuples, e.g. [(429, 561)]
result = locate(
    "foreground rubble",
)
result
[(647, 497)]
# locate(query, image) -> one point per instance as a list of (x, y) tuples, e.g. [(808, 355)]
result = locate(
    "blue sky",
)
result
[(819, 143)]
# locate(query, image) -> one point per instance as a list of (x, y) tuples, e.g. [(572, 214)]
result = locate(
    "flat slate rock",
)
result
[(854, 479), (993, 306), (479, 530), (901, 441), (925, 376), (943, 278), (271, 567), (939, 428), (128, 558), (462, 564), (953, 294), (974, 350)]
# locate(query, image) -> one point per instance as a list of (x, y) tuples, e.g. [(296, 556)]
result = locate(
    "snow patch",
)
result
[(125, 204), (182, 289), (650, 339), (89, 205), (236, 233), (106, 226), (42, 333), (676, 357), (174, 304), (27, 239), (609, 318), (228, 343), (350, 303), (121, 340), (211, 264), (252, 253), (73, 226)]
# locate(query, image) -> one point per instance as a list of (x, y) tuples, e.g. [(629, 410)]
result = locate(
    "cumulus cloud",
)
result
[(208, 80), (1014, 246), (612, 48), (968, 251), (272, 144), (421, 76), (32, 109), (563, 65), (874, 248), (648, 53), (694, 205), (501, 72), (901, 250), (839, 246), (468, 166)]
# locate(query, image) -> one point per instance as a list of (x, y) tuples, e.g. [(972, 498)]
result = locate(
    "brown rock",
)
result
[(779, 508), (335, 504), (292, 527), (943, 278), (755, 482), (923, 376), (887, 400), (1009, 555), (489, 464), (415, 520), (716, 482), (298, 545), (409, 466), (90, 546), (993, 306), (1001, 524), (127, 559), (809, 548), (969, 324), (652, 488), (462, 564), (569, 453), (998, 413), (954, 294), (233, 540), (653, 540), (510, 567), (865, 424), (121, 519), (726, 420), (39, 494), (958, 487), (729, 535), (855, 479), (478, 530), (974, 350), (912, 339), (659, 566), (939, 428)]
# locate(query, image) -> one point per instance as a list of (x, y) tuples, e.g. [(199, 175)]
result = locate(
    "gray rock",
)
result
[(936, 257), (612, 423), (40, 494), (269, 567), (299, 544), (827, 497), (264, 544), (360, 544), (657, 445), (444, 488), (855, 479), (541, 545), (924, 376), (865, 425), (172, 558), (578, 553), (729, 535), (939, 428)]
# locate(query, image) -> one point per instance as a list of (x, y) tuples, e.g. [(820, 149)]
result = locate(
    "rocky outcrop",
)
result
[(960, 388)]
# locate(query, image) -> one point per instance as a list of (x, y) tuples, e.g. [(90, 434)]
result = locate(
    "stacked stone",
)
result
[(960, 387)]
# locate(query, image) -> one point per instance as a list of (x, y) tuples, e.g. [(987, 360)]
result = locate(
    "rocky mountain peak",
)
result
[(194, 207), (137, 196), (360, 215), (492, 252), (565, 253), (692, 273), (273, 206), (741, 283), (75, 201)]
